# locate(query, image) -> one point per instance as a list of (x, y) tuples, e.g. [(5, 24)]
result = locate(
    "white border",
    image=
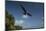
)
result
[(28, 0), (2, 15)]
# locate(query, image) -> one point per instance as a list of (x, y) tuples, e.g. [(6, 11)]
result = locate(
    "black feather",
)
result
[(29, 14), (23, 8)]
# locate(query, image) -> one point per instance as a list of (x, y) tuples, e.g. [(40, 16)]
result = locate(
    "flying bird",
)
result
[(25, 12)]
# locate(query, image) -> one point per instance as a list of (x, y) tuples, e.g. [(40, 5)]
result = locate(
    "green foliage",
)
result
[(9, 20), (18, 27)]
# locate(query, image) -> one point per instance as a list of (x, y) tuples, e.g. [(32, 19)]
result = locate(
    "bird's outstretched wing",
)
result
[(23, 8), (29, 14)]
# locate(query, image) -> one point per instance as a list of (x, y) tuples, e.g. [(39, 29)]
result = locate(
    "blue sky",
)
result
[(36, 9)]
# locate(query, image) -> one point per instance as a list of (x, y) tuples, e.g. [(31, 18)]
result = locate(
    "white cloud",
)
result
[(19, 22), (24, 16)]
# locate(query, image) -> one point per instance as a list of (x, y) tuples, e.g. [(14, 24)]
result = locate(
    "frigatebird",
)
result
[(25, 12)]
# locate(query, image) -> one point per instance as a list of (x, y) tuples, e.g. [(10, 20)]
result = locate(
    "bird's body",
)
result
[(25, 12)]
